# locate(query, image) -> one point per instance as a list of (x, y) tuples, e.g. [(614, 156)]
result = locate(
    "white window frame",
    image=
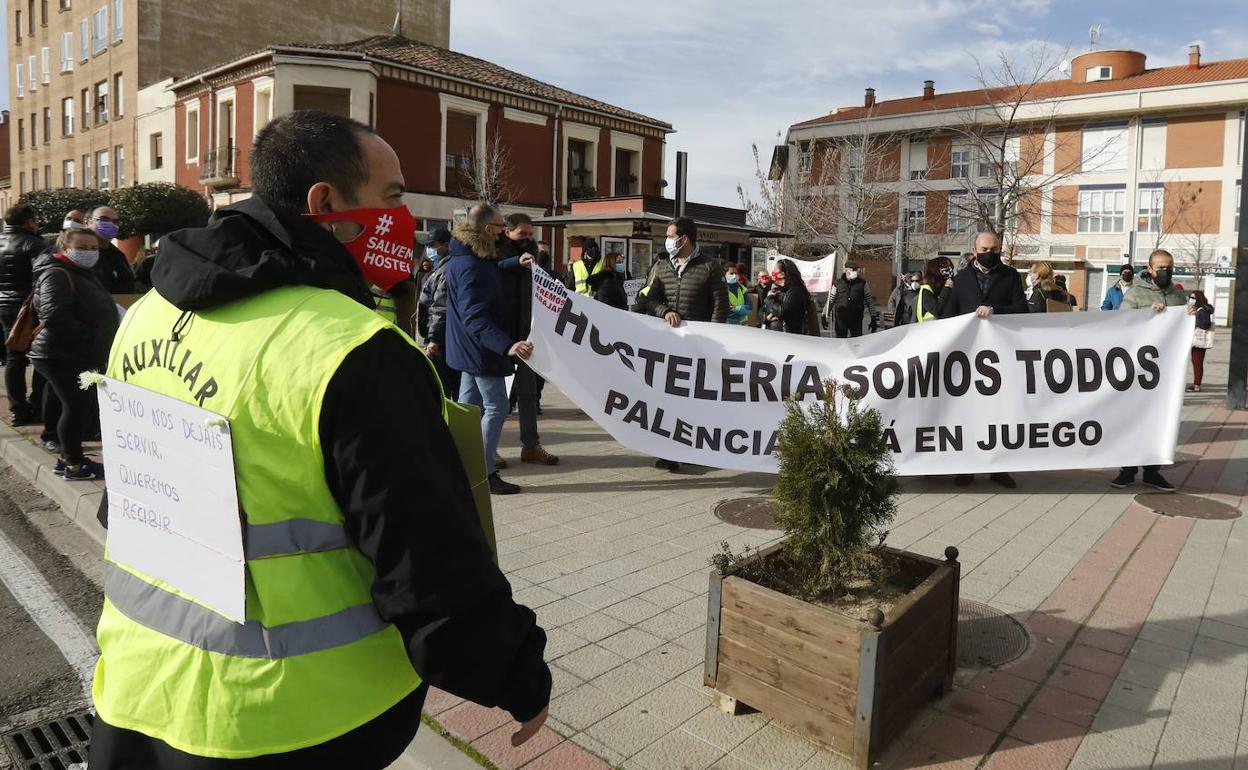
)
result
[(1099, 72), (19, 79), (33, 75), (1102, 211), (1150, 208), (87, 170), (965, 165), (153, 139), (916, 216), (119, 82), (448, 103), (67, 118), (261, 86), (102, 180), (99, 31), (67, 52), (95, 102), (918, 172), (119, 166), (118, 6), (854, 163), (68, 176), (192, 158), (84, 39), (628, 143), (45, 56), (590, 135), (959, 218), (805, 158), (1104, 149)]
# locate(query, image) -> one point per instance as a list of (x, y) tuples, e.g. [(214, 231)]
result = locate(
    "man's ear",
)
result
[(320, 198)]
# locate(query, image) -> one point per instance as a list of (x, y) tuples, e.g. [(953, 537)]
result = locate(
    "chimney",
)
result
[(1193, 57), (929, 90), (869, 100)]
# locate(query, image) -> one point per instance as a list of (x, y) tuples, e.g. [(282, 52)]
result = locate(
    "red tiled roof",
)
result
[(401, 50), (1230, 69)]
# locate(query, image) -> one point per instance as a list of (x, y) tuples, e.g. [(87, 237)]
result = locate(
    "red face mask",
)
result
[(777, 277), (383, 249)]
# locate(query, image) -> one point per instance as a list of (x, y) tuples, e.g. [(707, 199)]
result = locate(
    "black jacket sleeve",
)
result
[(951, 305), (393, 468), (1017, 299)]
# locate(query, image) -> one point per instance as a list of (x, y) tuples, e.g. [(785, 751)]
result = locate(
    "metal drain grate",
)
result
[(988, 637), (1187, 506), (750, 512), (57, 744)]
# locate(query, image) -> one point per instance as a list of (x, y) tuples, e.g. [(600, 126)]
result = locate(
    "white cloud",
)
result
[(985, 28)]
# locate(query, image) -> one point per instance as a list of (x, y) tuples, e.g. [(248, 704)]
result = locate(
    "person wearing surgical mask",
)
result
[(79, 320), (986, 287), (851, 302), (1156, 291), (901, 303), (113, 268)]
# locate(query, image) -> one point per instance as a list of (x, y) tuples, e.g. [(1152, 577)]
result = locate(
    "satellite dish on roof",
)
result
[(1064, 66), (1094, 36)]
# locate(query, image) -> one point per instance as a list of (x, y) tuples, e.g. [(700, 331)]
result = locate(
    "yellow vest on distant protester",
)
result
[(582, 274)]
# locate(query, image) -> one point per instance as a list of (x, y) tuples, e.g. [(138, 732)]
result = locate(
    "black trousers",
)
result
[(848, 327), (76, 409), (449, 377)]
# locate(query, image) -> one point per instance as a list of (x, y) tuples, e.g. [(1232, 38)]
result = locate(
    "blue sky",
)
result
[(728, 73)]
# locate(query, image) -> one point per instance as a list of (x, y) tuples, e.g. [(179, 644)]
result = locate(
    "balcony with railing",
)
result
[(219, 168)]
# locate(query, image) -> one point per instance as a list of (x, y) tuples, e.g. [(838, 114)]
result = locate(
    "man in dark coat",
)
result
[(684, 286), (516, 241), (20, 245), (113, 269), (851, 300), (479, 344), (986, 287)]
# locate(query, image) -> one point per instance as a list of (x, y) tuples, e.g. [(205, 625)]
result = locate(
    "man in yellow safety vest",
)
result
[(368, 576)]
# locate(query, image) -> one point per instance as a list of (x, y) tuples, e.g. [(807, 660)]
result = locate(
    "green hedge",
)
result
[(146, 209)]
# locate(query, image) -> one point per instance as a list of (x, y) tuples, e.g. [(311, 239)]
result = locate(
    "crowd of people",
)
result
[(58, 314)]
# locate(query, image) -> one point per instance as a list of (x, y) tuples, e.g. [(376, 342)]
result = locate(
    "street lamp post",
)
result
[(1237, 387)]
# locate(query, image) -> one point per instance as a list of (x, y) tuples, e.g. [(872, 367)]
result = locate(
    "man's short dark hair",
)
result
[(518, 218), (299, 149), (686, 227), (19, 215)]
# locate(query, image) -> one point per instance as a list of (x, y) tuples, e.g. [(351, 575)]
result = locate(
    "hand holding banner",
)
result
[(964, 395)]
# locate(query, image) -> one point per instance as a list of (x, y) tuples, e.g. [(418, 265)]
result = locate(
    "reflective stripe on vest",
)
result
[(582, 274), (313, 660), (200, 627)]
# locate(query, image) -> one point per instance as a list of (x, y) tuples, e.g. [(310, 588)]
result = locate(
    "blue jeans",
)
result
[(489, 393)]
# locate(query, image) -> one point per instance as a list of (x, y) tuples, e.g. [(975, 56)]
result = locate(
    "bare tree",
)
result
[(826, 193), (1198, 236), (1008, 153), (491, 176)]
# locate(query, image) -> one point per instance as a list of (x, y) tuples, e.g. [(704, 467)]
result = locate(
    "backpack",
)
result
[(27, 326)]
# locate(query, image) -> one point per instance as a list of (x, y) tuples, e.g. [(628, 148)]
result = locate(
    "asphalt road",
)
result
[(49, 604)]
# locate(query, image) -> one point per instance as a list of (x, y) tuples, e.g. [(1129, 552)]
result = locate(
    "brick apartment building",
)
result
[(1133, 158), (444, 112), (76, 66)]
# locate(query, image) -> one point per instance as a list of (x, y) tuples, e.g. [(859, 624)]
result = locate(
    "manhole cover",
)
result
[(988, 637), (1187, 506), (751, 512), (56, 744)]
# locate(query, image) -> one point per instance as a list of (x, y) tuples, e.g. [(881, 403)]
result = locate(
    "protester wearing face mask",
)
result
[(738, 297), (986, 287), (433, 302), (79, 321), (851, 302), (1113, 297), (1158, 292), (338, 429), (608, 286), (113, 269), (934, 290), (901, 302), (773, 305)]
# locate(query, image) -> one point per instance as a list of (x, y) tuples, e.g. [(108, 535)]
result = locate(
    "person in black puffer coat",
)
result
[(795, 302), (608, 285), (20, 246), (79, 321)]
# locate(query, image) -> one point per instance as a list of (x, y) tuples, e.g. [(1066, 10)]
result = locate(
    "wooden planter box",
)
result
[(849, 685)]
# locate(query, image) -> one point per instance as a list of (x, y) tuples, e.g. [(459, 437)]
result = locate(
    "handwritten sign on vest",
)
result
[(173, 510)]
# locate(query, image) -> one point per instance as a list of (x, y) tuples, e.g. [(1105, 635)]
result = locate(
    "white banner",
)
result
[(172, 500), (1049, 391), (818, 275)]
